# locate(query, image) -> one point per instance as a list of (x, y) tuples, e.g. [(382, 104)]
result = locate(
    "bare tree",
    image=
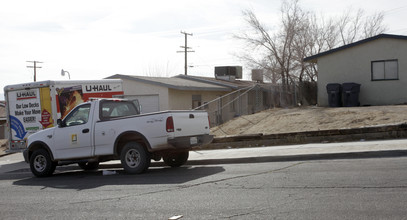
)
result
[(259, 40), (374, 25), (158, 70), (275, 52), (357, 25), (302, 34), (281, 51)]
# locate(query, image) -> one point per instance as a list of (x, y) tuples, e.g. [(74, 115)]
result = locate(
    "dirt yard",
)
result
[(3, 146), (279, 120)]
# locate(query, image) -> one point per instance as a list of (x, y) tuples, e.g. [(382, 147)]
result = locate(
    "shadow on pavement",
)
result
[(81, 180)]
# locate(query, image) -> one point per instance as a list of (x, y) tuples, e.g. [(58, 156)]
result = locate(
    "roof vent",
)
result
[(229, 73), (257, 75)]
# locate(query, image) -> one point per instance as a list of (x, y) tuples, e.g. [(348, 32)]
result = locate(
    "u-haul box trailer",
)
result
[(31, 107)]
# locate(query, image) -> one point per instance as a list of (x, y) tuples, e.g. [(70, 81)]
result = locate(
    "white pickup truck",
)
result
[(108, 129)]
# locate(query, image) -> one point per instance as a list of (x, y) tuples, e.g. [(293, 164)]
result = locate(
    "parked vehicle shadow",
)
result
[(82, 180)]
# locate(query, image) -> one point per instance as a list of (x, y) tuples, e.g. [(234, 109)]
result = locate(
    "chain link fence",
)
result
[(257, 98), (3, 130)]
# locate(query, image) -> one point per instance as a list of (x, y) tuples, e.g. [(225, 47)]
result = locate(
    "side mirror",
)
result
[(60, 123)]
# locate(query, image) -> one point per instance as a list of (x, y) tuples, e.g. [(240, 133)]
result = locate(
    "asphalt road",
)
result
[(347, 188)]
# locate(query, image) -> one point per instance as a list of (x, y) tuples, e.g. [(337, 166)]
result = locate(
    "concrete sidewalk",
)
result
[(308, 151)]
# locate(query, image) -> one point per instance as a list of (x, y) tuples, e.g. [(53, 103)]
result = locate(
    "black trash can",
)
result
[(350, 94), (334, 94)]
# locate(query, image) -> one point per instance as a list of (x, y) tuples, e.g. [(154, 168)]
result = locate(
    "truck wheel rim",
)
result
[(133, 158), (40, 162)]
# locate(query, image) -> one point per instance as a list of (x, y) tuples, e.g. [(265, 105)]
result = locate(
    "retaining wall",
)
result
[(323, 136)]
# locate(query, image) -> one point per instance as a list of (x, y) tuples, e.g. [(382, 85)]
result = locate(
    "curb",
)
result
[(5, 154), (302, 157), (398, 131)]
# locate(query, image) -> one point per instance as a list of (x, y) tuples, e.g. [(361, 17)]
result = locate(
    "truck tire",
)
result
[(176, 159), (89, 165), (134, 158), (41, 164)]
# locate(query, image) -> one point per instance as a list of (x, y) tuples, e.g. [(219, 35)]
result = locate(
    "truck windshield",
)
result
[(78, 116), (113, 109)]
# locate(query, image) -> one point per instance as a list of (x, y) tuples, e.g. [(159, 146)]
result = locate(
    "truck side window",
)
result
[(113, 109), (78, 116)]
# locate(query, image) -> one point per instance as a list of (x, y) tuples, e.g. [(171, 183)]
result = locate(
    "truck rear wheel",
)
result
[(176, 159), (89, 165), (134, 158), (41, 164)]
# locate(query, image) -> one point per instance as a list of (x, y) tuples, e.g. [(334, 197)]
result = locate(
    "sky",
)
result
[(94, 39)]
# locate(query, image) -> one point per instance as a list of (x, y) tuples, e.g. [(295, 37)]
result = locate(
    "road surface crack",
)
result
[(242, 176)]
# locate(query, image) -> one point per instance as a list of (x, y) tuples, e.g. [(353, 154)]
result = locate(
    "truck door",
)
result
[(73, 137)]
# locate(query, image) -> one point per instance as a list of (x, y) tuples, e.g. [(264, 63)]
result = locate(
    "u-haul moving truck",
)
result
[(34, 106)]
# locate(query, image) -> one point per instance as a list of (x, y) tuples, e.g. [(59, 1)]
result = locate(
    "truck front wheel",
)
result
[(41, 164), (176, 159), (134, 158)]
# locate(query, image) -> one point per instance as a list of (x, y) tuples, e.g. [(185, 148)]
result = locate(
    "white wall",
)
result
[(135, 88), (354, 65)]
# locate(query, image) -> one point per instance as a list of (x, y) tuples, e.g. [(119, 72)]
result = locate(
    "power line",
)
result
[(35, 67), (390, 11), (186, 51)]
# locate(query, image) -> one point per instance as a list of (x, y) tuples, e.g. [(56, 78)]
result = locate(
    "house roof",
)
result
[(174, 83), (236, 84), (380, 36)]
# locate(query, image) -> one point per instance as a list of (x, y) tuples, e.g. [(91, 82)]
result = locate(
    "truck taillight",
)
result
[(209, 122), (170, 124)]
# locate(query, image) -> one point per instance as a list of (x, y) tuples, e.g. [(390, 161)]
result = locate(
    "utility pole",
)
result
[(186, 51), (35, 67)]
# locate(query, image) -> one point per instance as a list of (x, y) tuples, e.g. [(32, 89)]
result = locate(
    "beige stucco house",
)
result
[(378, 64), (189, 92), (168, 93)]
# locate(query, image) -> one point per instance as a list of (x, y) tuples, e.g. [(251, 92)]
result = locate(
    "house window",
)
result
[(385, 70), (196, 101)]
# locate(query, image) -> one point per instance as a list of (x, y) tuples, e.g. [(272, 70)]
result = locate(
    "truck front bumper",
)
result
[(191, 141)]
